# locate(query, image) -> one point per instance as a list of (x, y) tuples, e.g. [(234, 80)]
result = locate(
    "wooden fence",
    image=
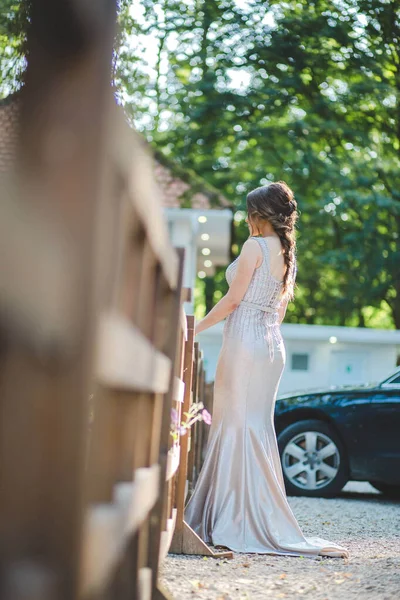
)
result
[(204, 393), (192, 445), (95, 347)]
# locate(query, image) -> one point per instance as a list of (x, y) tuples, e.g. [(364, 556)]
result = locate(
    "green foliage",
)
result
[(319, 107), (251, 92), (14, 18)]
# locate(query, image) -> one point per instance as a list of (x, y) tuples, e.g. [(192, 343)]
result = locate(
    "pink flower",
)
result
[(206, 416), (174, 416)]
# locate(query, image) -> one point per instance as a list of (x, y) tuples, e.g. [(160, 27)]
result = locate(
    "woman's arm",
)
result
[(250, 258)]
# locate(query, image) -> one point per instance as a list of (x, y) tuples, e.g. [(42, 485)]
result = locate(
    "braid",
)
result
[(276, 204), (288, 243)]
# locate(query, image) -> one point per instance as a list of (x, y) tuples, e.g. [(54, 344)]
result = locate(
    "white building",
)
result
[(199, 220), (323, 356), (205, 236)]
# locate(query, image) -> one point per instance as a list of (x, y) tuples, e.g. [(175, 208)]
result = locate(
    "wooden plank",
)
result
[(28, 580), (160, 593), (138, 171), (145, 304), (167, 535), (206, 392), (172, 461), (135, 500), (125, 276), (42, 314), (145, 494), (126, 360), (144, 584), (44, 391), (179, 390), (172, 302), (193, 544), (183, 323), (109, 526), (184, 442), (186, 488), (122, 500), (196, 428), (101, 547)]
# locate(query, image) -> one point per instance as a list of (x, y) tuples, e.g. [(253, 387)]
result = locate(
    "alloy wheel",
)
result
[(311, 460)]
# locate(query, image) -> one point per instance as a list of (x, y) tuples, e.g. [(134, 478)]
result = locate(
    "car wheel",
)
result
[(313, 459), (390, 490)]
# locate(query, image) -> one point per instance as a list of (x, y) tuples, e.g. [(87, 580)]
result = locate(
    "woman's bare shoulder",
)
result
[(251, 247)]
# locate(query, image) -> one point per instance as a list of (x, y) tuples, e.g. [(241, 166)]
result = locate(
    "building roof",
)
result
[(323, 333), (183, 188), (180, 188), (355, 335)]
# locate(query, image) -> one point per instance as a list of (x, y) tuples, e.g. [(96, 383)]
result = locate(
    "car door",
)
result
[(351, 413), (382, 427)]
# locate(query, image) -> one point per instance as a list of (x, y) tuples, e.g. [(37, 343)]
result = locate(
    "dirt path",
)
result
[(360, 519)]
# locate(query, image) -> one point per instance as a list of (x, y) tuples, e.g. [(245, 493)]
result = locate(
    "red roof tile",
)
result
[(189, 191), (8, 133)]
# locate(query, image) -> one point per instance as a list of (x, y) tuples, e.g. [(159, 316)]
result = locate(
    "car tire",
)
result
[(388, 489), (335, 465)]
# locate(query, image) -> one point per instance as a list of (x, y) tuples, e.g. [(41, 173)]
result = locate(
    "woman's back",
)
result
[(265, 288)]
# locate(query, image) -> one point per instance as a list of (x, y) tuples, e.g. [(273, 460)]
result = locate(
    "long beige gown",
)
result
[(240, 500)]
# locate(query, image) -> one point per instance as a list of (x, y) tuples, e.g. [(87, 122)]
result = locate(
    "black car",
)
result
[(329, 437)]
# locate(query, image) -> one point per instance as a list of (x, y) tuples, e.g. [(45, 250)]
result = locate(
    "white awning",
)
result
[(211, 232)]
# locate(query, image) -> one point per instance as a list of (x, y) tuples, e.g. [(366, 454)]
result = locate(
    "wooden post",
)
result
[(196, 429), (47, 227), (174, 301), (185, 540), (176, 545)]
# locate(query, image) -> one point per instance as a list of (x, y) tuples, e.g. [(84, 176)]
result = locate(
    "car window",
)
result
[(394, 381)]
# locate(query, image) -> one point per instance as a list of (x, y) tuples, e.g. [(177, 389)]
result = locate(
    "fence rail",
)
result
[(96, 348)]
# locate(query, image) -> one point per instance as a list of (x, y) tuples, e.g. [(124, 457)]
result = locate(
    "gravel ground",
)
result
[(360, 519)]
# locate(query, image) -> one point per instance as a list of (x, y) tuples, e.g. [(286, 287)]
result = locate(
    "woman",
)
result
[(240, 500)]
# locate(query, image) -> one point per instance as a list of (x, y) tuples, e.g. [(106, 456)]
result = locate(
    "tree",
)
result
[(302, 91), (13, 27), (320, 110)]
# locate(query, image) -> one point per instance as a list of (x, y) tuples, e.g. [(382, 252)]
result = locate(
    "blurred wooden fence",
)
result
[(185, 540), (95, 347)]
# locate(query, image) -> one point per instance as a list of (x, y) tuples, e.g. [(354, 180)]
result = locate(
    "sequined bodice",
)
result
[(264, 288), (249, 323)]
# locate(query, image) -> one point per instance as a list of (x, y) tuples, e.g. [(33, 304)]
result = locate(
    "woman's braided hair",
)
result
[(275, 203)]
